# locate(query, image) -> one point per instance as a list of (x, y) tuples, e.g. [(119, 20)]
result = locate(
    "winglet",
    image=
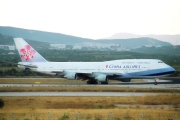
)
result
[(26, 52)]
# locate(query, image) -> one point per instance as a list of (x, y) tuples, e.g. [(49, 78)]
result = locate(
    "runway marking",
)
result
[(37, 82)]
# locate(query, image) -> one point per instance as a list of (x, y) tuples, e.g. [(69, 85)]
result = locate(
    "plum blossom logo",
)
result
[(27, 53), (106, 66)]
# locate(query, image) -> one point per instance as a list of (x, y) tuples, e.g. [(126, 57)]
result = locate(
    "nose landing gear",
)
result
[(156, 81)]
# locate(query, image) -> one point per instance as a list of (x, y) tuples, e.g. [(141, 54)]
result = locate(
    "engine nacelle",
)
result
[(71, 76), (126, 80), (101, 78)]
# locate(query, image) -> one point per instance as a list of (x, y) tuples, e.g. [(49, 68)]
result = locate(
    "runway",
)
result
[(85, 94), (166, 85), (148, 84)]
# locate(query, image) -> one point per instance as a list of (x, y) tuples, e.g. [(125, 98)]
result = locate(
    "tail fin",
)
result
[(26, 52)]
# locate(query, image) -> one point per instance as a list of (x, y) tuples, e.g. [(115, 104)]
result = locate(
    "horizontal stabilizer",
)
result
[(29, 66)]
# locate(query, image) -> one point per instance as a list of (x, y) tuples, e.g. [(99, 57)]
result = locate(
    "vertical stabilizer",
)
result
[(26, 52)]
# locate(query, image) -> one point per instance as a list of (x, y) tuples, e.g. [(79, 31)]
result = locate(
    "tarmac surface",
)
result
[(162, 84)]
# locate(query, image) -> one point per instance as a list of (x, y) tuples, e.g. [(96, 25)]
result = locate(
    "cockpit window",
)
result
[(160, 62)]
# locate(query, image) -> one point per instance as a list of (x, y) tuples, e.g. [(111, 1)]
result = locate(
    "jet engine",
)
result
[(101, 78), (71, 76)]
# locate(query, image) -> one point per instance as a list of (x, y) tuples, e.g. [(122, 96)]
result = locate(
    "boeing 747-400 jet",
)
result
[(123, 70)]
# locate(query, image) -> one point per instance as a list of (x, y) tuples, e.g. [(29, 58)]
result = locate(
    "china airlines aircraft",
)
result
[(123, 70)]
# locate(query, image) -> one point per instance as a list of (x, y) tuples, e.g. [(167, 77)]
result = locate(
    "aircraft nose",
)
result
[(171, 69)]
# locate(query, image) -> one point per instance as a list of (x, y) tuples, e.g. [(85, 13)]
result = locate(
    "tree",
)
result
[(1, 103)]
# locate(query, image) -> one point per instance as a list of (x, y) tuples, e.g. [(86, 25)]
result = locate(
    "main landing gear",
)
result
[(92, 81), (156, 81), (104, 83)]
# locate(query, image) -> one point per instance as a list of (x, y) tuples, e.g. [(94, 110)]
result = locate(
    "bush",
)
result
[(64, 117), (1, 103)]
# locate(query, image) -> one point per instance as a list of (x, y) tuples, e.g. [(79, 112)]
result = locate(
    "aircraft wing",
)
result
[(105, 73), (95, 74)]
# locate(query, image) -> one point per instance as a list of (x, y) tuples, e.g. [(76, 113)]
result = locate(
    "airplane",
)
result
[(95, 72)]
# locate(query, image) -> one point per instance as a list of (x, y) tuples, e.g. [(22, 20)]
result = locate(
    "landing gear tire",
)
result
[(156, 80), (155, 83), (106, 82), (103, 83), (92, 82)]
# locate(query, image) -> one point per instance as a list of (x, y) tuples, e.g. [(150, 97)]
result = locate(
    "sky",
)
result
[(93, 19)]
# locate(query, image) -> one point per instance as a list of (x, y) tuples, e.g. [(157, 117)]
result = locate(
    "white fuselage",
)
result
[(94, 72), (116, 68)]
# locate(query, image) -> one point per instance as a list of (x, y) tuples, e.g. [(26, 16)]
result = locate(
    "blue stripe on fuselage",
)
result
[(156, 72)]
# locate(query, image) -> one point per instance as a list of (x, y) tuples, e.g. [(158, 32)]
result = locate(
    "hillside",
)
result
[(41, 36), (134, 42), (8, 40), (50, 37), (173, 39)]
